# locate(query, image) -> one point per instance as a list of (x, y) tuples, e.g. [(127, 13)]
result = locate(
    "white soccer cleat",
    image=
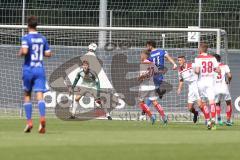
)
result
[(28, 128), (209, 125), (142, 118)]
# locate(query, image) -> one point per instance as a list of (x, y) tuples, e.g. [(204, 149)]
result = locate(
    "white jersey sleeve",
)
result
[(227, 69), (193, 65), (197, 62), (166, 53)]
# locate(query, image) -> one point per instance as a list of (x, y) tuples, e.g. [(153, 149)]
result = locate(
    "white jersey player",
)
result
[(147, 87), (186, 74), (222, 91), (206, 66)]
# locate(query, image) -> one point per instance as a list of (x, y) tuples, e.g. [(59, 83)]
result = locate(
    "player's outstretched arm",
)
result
[(229, 77), (143, 76), (76, 80), (180, 86), (71, 89), (170, 59), (97, 82), (229, 74)]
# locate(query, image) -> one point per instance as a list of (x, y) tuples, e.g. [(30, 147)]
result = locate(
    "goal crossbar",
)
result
[(119, 28), (218, 31)]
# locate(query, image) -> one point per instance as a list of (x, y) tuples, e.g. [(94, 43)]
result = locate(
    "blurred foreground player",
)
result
[(34, 47)]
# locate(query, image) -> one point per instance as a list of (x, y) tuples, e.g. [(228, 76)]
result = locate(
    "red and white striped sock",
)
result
[(213, 111), (205, 111), (218, 110), (229, 112), (146, 109), (160, 110)]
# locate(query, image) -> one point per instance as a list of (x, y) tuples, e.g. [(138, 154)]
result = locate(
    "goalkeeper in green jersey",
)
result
[(89, 84)]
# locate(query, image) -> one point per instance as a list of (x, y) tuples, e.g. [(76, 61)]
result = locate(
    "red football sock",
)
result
[(229, 112), (218, 110), (213, 111), (42, 119), (160, 110), (205, 111), (146, 109), (30, 122)]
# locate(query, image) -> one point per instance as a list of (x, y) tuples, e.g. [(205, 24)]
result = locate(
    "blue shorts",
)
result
[(34, 79), (158, 80)]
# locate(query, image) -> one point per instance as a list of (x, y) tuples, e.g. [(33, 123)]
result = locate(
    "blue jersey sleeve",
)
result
[(24, 42), (150, 59), (164, 53)]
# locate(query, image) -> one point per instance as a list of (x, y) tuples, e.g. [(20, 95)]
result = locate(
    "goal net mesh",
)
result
[(120, 58)]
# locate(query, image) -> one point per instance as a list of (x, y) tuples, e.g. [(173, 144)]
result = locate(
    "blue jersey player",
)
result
[(157, 56), (34, 47)]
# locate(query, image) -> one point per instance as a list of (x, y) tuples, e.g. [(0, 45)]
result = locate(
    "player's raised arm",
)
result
[(170, 59)]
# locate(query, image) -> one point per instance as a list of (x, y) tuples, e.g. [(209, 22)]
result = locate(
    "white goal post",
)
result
[(117, 59)]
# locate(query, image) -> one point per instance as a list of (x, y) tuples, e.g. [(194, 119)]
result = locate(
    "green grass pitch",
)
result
[(98, 140)]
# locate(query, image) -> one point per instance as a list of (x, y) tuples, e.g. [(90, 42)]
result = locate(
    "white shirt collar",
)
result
[(33, 32)]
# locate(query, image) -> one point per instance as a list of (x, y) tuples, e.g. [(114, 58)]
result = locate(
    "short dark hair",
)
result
[(218, 57), (151, 43), (32, 22), (146, 52), (182, 57), (204, 46)]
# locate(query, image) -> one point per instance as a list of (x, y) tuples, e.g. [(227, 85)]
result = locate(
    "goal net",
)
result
[(119, 58)]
